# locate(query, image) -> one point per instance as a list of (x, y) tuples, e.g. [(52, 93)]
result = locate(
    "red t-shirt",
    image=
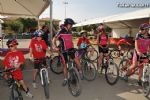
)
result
[(38, 48), (11, 59), (82, 40)]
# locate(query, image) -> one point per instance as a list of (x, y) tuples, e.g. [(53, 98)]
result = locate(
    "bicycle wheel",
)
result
[(130, 54), (91, 54), (15, 93), (89, 70), (123, 67), (146, 81), (56, 65), (45, 85), (73, 82), (112, 73), (115, 53)]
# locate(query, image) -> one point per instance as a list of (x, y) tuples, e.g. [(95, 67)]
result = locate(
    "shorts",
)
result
[(18, 75), (102, 50), (37, 62), (136, 57), (65, 55), (81, 52)]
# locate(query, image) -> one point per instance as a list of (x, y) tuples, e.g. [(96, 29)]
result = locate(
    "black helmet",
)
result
[(69, 21), (12, 41)]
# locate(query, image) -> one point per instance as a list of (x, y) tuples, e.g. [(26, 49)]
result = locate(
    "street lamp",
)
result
[(65, 3)]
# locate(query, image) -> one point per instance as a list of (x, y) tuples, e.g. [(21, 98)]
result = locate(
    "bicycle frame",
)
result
[(41, 70)]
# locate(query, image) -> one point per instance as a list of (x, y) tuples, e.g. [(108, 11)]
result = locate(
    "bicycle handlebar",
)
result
[(7, 70)]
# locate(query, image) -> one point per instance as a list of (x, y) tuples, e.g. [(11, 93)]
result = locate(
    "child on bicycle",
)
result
[(83, 41), (142, 46), (102, 42), (65, 38), (38, 50), (14, 59)]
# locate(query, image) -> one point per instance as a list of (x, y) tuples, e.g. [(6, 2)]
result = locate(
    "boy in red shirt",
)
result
[(15, 58), (83, 41), (38, 50)]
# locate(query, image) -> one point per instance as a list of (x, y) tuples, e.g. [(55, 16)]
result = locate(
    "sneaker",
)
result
[(81, 76), (64, 82), (99, 71), (139, 82), (125, 78), (34, 85), (28, 94)]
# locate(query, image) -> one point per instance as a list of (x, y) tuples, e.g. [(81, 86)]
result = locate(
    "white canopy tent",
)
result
[(122, 24), (25, 8)]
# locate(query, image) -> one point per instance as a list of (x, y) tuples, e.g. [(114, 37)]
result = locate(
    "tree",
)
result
[(16, 26), (29, 23)]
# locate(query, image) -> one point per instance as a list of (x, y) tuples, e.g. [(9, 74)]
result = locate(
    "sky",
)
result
[(81, 10)]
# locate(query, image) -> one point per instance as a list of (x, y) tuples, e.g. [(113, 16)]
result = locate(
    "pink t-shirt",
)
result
[(103, 39), (143, 42), (65, 38)]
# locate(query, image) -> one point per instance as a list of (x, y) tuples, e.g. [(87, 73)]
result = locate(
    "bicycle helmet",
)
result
[(144, 26), (69, 21), (38, 33), (12, 41)]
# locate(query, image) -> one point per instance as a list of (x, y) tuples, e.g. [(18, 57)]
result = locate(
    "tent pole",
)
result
[(38, 23), (51, 23)]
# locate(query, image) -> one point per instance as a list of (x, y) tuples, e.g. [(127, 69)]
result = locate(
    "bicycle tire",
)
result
[(116, 78), (146, 81), (130, 54), (73, 80), (88, 70), (115, 53), (45, 85), (15, 93), (89, 57), (56, 65), (123, 66)]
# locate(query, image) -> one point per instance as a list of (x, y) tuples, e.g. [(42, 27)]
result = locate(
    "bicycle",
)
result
[(15, 93), (125, 64), (116, 53), (43, 74), (146, 76), (72, 74), (90, 53), (87, 66), (111, 69), (56, 65)]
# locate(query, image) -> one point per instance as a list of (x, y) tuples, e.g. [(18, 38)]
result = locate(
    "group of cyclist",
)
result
[(38, 48)]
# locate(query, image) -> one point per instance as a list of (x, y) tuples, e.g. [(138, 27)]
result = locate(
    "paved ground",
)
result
[(95, 90)]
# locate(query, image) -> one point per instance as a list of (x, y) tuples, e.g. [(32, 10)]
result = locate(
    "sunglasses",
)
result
[(39, 36), (11, 46)]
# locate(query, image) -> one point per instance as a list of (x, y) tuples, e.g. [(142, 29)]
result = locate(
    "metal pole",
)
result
[(65, 3), (51, 23), (38, 22)]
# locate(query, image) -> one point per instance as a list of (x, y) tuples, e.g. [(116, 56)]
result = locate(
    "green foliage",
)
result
[(108, 29), (16, 26), (55, 26), (29, 23)]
